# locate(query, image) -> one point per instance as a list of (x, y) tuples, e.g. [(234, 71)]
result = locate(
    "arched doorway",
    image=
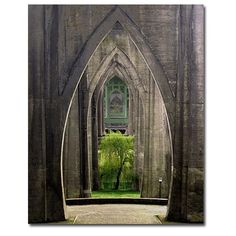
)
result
[(154, 142)]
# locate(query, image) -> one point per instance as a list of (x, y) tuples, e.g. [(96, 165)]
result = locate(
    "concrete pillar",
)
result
[(100, 115), (130, 128), (156, 141), (45, 189), (94, 131), (71, 153), (139, 144), (37, 154), (188, 178), (84, 160)]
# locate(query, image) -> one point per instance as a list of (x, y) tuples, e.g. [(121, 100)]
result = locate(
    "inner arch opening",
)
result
[(116, 163), (116, 105)]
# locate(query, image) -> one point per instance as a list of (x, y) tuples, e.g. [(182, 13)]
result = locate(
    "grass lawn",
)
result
[(115, 194)]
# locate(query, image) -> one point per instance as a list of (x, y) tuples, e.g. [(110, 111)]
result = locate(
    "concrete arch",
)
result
[(115, 70), (123, 64), (84, 56), (109, 67), (118, 70), (117, 62)]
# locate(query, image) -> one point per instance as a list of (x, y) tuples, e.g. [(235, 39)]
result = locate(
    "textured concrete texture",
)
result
[(116, 214)]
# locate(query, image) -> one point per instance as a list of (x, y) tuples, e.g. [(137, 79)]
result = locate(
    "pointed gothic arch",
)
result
[(86, 53), (83, 57), (115, 63), (123, 64)]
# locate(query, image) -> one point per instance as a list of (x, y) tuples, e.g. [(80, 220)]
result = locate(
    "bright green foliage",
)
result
[(115, 194), (116, 155)]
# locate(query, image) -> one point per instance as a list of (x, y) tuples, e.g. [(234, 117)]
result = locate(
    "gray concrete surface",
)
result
[(116, 214)]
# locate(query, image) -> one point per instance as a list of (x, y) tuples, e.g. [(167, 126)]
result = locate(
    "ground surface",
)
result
[(116, 214)]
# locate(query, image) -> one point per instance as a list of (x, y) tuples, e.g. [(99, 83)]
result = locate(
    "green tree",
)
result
[(116, 156)]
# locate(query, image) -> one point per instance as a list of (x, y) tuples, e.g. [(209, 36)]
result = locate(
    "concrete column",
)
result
[(102, 112), (188, 179), (45, 189), (84, 160), (37, 211), (130, 115), (196, 123), (71, 154), (145, 192), (94, 125), (100, 116), (138, 139), (156, 141), (141, 134)]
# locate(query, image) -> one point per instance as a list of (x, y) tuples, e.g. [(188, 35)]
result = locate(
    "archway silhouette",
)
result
[(89, 48)]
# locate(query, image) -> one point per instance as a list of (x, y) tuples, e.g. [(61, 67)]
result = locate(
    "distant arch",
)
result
[(121, 65), (115, 63)]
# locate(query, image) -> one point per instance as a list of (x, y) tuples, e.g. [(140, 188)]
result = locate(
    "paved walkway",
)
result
[(116, 214)]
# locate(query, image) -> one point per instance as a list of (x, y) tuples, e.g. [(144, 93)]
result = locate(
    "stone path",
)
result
[(116, 214)]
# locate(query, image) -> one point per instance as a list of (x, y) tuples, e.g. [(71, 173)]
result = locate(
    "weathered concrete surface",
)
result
[(71, 152), (188, 142), (116, 214), (45, 195)]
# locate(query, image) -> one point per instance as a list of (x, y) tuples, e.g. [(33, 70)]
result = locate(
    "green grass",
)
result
[(115, 194)]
